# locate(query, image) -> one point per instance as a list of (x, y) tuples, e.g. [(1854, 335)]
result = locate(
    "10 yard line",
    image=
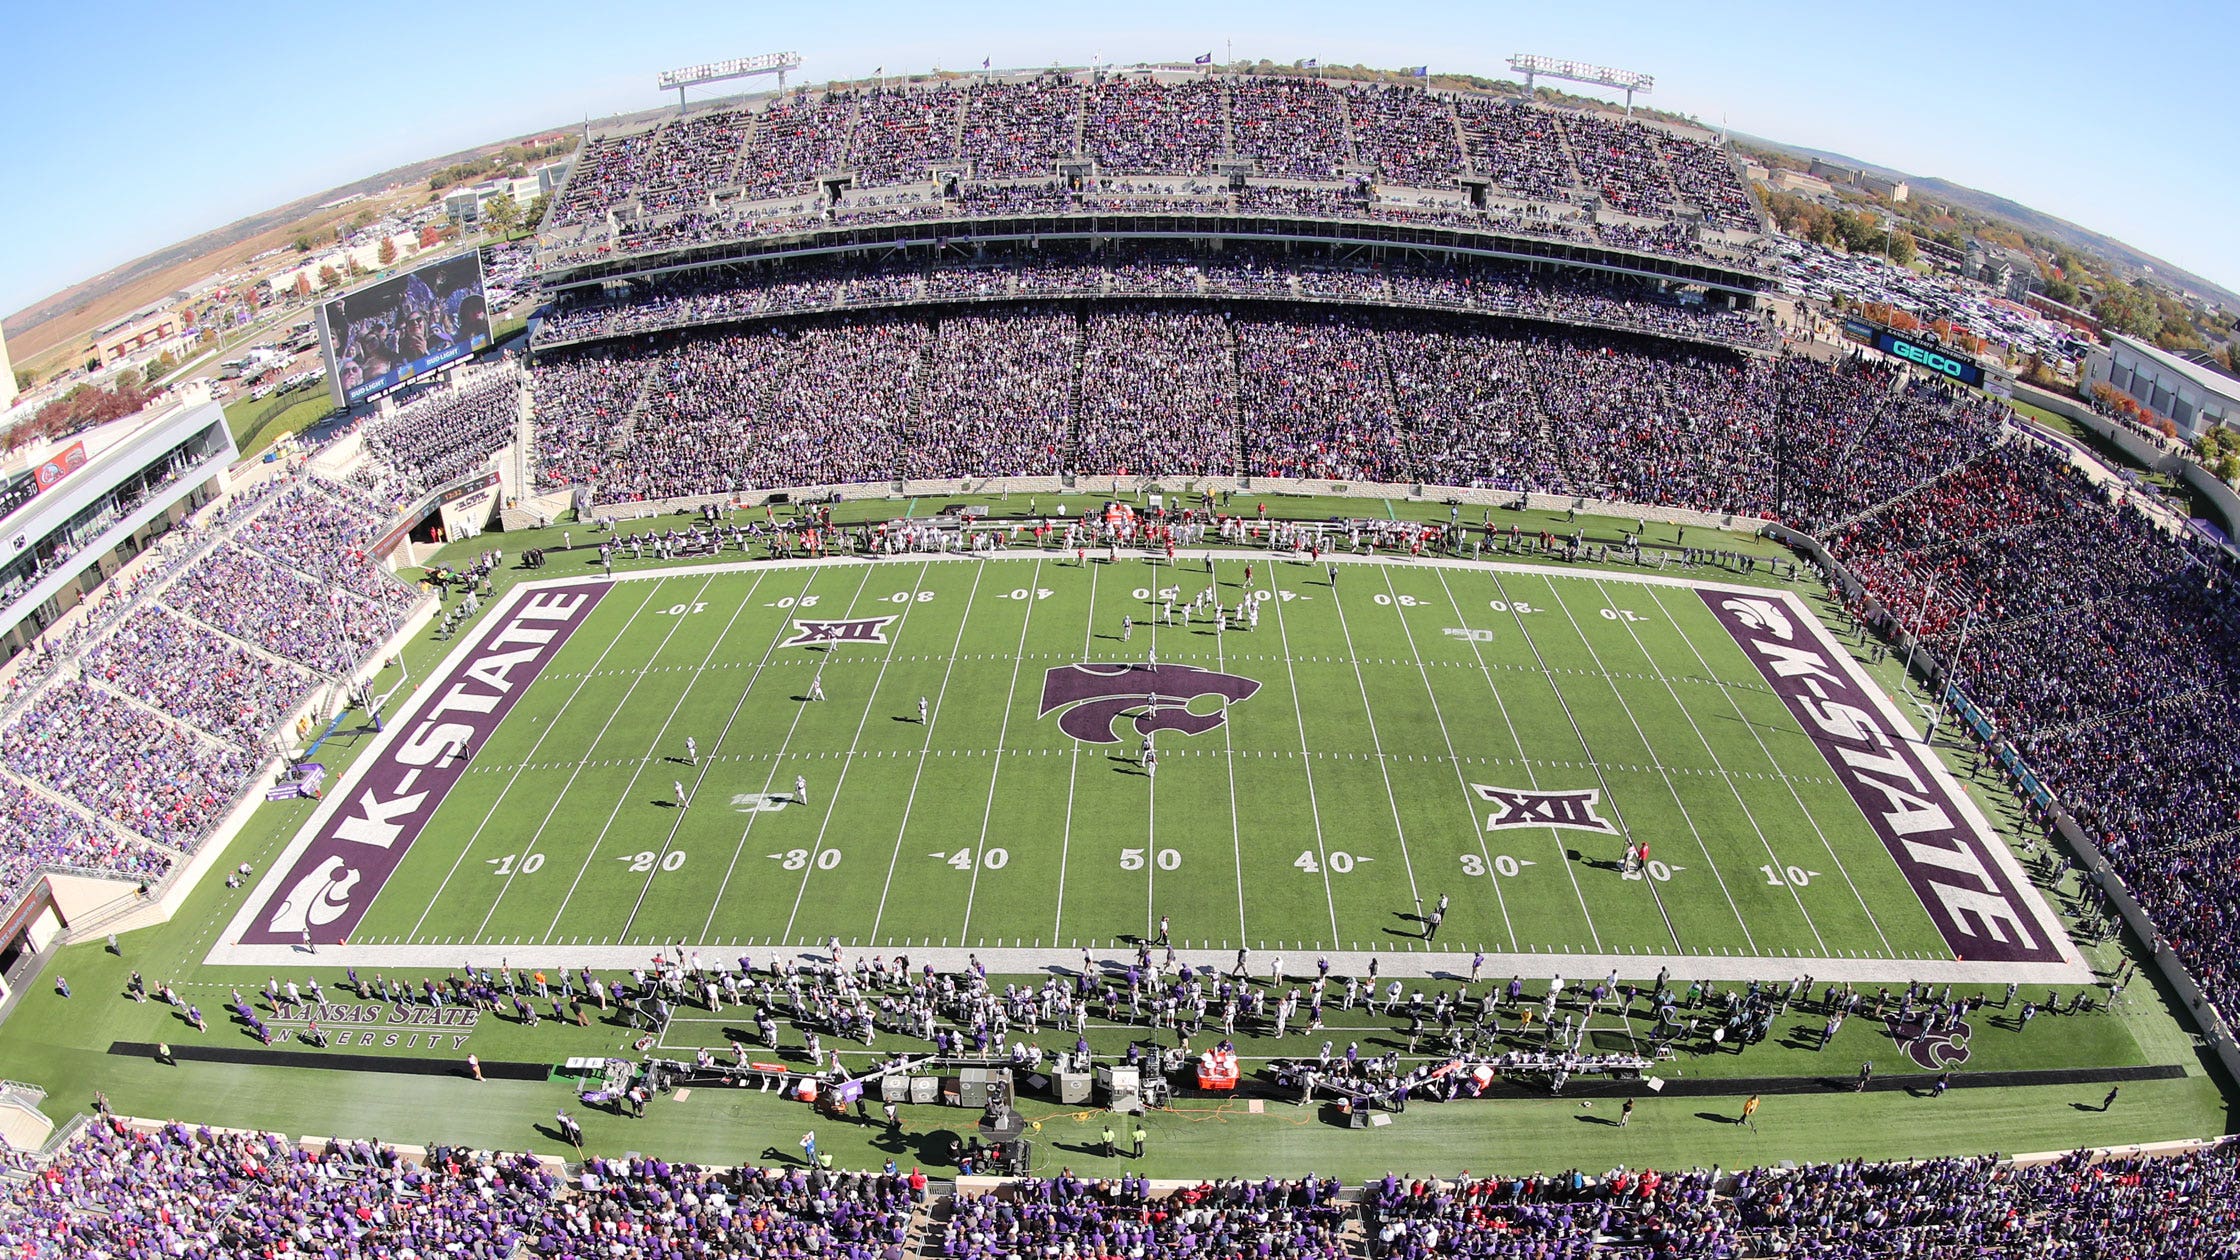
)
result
[(1733, 787), (652, 588)]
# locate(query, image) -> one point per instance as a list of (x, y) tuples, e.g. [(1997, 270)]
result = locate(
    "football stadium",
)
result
[(1474, 719)]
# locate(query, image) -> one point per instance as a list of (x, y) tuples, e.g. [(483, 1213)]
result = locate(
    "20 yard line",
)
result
[(940, 693), (1469, 812), (621, 633), (577, 771), (1502, 707), (778, 759), (1619, 694), (832, 798), (1593, 762), (1818, 941)]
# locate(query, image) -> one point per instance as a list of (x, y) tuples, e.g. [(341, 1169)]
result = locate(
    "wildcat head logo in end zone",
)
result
[(859, 630), (318, 899), (1101, 694), (1935, 1051), (1521, 808)]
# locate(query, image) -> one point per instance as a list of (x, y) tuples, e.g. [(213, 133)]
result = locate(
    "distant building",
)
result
[(1884, 186), (1799, 182), (2192, 396), (8, 389), (140, 331), (465, 205)]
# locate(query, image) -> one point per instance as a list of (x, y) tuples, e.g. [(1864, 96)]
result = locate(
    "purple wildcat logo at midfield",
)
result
[(860, 630), (1102, 694)]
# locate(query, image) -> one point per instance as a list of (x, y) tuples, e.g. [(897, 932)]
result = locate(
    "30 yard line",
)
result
[(778, 761), (1620, 696), (832, 798), (1469, 812), (1818, 941), (652, 588), (1502, 707), (1578, 732), (940, 693), (1794, 795), (1314, 807)]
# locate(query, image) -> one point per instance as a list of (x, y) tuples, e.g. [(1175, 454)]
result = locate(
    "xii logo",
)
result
[(859, 630), (1523, 808)]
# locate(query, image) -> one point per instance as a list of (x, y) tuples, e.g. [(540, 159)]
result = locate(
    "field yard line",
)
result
[(1724, 773), (562, 794), (1609, 797), (1368, 711), (1461, 776), (515, 777), (832, 798), (714, 744), (1502, 706), (1619, 694), (1786, 781), (1228, 746), (1073, 778), (777, 760), (925, 750), (1314, 807)]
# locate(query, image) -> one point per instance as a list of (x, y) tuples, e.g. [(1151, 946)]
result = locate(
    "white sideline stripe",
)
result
[(870, 701), (1662, 775), (777, 761), (1314, 806), (941, 693), (1763, 840), (514, 778), (1562, 858), (1794, 795), (612, 814), (1469, 808)]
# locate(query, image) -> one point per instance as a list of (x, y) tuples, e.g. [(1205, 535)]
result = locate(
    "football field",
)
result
[(650, 763)]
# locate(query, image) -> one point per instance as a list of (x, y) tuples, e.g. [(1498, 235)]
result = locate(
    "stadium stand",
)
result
[(130, 1191), (1057, 143)]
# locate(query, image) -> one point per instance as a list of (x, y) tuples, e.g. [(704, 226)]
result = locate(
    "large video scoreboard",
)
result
[(1921, 351)]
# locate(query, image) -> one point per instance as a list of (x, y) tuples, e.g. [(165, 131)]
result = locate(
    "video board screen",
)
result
[(395, 330)]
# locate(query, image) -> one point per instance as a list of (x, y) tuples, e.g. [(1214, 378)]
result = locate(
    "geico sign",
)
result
[(1928, 358)]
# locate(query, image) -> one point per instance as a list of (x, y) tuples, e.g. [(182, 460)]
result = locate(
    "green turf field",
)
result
[(1330, 811)]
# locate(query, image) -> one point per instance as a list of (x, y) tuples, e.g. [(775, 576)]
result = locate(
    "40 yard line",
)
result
[(1314, 806)]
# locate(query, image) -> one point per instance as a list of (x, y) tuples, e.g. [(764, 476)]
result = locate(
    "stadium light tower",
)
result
[(1626, 81), (719, 71)]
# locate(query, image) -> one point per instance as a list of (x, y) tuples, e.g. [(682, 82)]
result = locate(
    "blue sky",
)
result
[(161, 121)]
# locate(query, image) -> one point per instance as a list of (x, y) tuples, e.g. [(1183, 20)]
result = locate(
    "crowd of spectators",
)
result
[(450, 432), (132, 766), (1147, 145), (130, 1193), (2107, 653)]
